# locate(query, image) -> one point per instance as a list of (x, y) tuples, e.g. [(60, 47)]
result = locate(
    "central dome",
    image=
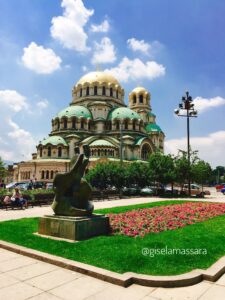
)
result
[(98, 76)]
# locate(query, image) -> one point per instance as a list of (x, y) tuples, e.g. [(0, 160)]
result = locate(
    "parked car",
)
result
[(132, 190), (49, 185), (196, 190), (219, 187), (223, 190), (13, 185), (146, 191)]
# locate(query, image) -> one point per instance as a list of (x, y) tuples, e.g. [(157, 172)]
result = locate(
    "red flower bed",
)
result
[(142, 221)]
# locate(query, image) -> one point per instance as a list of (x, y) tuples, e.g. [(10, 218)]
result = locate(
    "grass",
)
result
[(124, 254)]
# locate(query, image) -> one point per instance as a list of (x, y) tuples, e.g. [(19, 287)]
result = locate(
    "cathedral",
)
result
[(97, 116)]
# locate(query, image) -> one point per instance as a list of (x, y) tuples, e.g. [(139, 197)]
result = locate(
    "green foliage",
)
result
[(162, 168), (201, 172), (3, 170)]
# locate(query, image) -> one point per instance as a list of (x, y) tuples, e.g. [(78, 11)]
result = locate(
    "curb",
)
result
[(195, 276)]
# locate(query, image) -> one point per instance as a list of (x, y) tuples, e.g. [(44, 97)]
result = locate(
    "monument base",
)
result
[(74, 228)]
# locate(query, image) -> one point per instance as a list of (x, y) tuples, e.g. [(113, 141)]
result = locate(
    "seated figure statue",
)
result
[(72, 192)]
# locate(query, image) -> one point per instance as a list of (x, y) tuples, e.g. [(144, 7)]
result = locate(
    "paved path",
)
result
[(26, 278)]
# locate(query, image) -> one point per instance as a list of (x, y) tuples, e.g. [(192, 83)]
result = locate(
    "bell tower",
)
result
[(139, 101)]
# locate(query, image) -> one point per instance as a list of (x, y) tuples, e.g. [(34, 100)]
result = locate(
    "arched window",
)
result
[(89, 125), (42, 174), (65, 123), (110, 125), (47, 174), (60, 152), (105, 152), (52, 174), (95, 90), (103, 90), (80, 92), (87, 91), (145, 151), (117, 94), (41, 150), (126, 125), (134, 125), (117, 125), (58, 124), (134, 99), (111, 92), (74, 123), (98, 152), (49, 151), (82, 124), (141, 98)]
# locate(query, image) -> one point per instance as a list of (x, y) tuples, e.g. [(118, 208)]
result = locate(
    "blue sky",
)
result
[(165, 46)]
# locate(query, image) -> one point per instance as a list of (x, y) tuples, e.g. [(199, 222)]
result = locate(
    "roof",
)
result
[(140, 140), (152, 127), (101, 143), (53, 140), (139, 89), (75, 111), (98, 76), (123, 113), (150, 114)]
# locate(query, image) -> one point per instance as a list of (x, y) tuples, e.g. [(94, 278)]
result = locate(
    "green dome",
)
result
[(53, 140), (75, 111), (150, 114), (123, 113), (152, 127), (101, 143)]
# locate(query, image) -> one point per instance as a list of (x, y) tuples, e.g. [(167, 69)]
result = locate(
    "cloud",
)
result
[(40, 60), (137, 69), (211, 147), (12, 100), (42, 104), (138, 45), (103, 27), (204, 104), (104, 52), (68, 29), (16, 142)]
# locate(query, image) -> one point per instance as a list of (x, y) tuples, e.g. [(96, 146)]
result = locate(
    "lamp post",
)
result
[(188, 106)]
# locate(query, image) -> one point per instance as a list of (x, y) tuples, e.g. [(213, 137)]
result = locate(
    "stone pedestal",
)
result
[(74, 228)]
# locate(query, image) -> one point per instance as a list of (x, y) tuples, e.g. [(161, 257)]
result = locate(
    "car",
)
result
[(223, 190), (146, 191), (132, 190), (196, 190), (49, 185), (13, 185), (219, 187)]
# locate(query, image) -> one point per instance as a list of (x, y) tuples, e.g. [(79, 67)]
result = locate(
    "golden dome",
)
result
[(98, 76), (139, 89)]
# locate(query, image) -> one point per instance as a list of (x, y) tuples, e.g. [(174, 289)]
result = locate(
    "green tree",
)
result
[(162, 168), (3, 171), (137, 173), (201, 172)]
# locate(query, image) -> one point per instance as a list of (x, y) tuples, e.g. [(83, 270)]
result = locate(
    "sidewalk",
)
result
[(26, 278)]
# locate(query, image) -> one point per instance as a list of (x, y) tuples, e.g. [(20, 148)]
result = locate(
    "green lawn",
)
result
[(124, 254)]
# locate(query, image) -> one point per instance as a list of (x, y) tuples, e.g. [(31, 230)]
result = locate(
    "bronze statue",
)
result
[(72, 192)]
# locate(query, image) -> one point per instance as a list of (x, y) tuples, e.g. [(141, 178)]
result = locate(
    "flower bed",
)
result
[(140, 222)]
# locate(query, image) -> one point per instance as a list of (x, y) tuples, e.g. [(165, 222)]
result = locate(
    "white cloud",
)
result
[(138, 45), (84, 68), (104, 52), (137, 69), (69, 28), (211, 147), (204, 104), (103, 27), (42, 104), (40, 60), (16, 142), (11, 99)]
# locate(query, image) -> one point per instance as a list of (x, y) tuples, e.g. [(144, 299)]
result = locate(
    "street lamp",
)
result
[(121, 143), (188, 106)]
